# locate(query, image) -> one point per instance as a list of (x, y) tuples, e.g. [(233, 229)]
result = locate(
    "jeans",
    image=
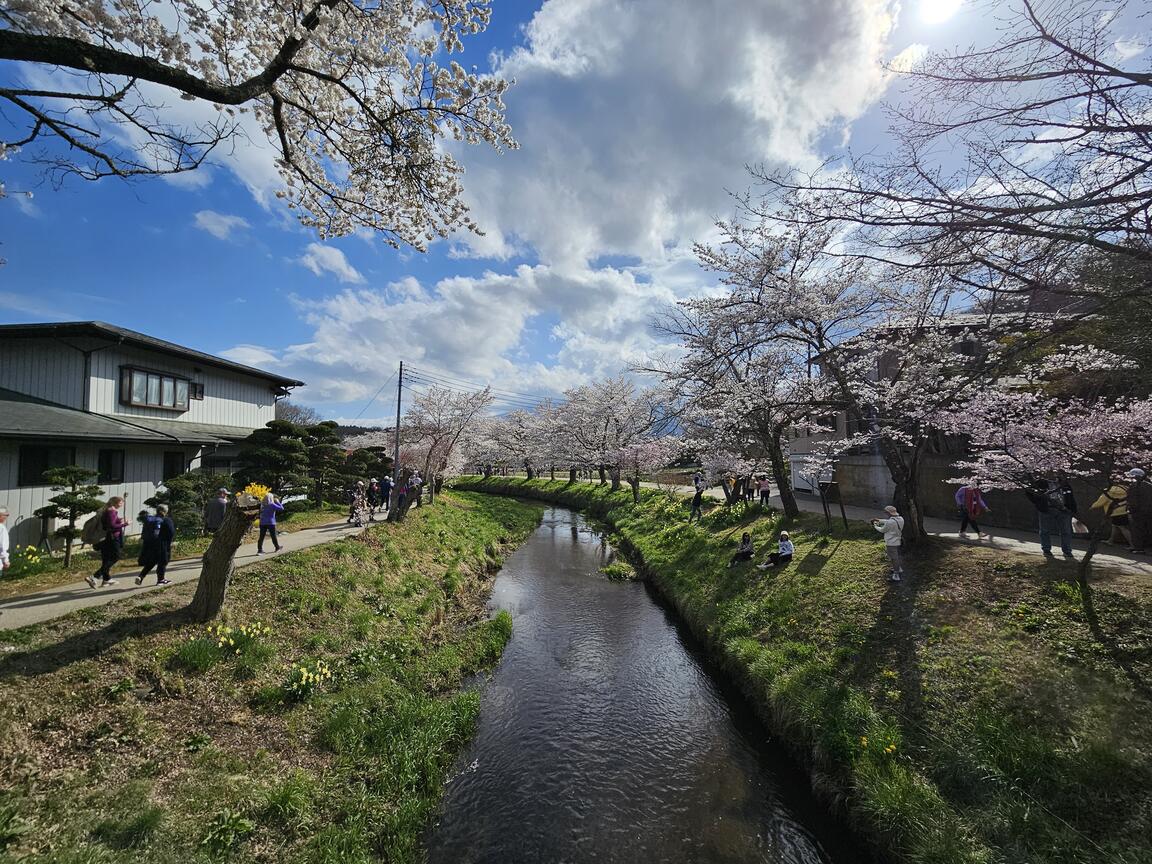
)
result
[(267, 531), (966, 520), (765, 494), (778, 560), (1061, 523)]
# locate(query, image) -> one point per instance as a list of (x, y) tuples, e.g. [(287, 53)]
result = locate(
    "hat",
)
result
[(1135, 473), (783, 535), (891, 510), (359, 482), (373, 480), (222, 491)]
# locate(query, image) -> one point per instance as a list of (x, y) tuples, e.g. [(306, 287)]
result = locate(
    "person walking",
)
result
[(386, 494), (268, 510), (5, 546), (156, 545), (698, 497), (745, 551), (1055, 506), (112, 525), (893, 530), (765, 487), (373, 498), (970, 501), (415, 489), (782, 555), (1139, 510), (1114, 504), (214, 511)]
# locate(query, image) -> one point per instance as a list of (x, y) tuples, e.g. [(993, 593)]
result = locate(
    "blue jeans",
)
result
[(1061, 523)]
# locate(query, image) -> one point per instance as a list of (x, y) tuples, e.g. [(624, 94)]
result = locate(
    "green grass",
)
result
[(981, 712), (143, 737)]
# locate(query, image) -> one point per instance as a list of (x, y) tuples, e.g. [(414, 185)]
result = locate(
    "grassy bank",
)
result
[(979, 712), (318, 728), (50, 572)]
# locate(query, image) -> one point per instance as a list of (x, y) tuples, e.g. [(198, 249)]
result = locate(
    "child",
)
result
[(744, 553), (783, 553)]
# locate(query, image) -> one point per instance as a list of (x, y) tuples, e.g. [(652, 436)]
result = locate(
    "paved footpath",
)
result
[(54, 602), (1027, 542)]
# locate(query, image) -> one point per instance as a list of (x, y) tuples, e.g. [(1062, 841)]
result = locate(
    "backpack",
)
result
[(93, 531)]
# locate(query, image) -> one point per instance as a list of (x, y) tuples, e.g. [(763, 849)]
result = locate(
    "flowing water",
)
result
[(605, 736)]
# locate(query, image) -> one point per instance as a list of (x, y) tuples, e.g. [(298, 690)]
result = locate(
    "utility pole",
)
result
[(396, 451)]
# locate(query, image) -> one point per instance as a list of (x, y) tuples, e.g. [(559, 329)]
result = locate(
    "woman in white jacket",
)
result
[(893, 530), (3, 539)]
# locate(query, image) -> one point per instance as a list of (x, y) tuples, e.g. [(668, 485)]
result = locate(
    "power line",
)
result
[(453, 380), (497, 397), (368, 404)]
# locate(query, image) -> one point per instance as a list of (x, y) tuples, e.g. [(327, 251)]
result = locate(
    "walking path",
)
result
[(1010, 540), (46, 605)]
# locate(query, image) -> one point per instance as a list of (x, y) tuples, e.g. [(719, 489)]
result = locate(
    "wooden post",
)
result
[(219, 562)]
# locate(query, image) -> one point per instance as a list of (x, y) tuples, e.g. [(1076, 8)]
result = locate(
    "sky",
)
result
[(636, 119)]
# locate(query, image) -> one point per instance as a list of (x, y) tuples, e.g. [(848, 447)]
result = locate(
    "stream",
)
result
[(606, 735)]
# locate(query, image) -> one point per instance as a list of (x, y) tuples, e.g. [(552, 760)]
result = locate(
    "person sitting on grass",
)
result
[(744, 552), (782, 555)]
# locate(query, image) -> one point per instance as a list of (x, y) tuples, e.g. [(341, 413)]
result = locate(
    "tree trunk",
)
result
[(904, 472), (397, 511), (571, 476), (552, 471), (603, 477), (634, 482), (729, 494), (528, 469), (614, 473), (780, 474), (487, 471), (219, 561)]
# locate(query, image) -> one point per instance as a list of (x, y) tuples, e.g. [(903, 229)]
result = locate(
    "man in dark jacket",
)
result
[(214, 511), (156, 545), (1055, 506)]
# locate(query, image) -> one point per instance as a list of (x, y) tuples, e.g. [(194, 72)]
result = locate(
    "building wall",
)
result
[(143, 468), (54, 369), (44, 368), (230, 399)]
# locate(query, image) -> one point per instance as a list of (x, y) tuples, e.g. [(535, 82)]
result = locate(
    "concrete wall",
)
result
[(143, 469)]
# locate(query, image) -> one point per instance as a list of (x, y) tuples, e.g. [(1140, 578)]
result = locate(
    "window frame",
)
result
[(155, 382), (165, 476), (21, 474), (101, 476)]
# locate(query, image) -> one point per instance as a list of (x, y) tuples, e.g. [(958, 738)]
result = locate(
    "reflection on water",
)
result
[(603, 737)]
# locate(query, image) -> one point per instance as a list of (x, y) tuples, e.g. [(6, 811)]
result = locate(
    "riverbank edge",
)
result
[(280, 751), (828, 779)]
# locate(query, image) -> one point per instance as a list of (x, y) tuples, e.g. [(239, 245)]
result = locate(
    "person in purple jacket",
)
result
[(268, 511)]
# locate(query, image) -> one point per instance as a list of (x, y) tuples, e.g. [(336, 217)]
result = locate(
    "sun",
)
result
[(938, 11)]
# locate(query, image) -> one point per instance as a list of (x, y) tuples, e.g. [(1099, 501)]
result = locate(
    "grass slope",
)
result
[(128, 734), (976, 713)]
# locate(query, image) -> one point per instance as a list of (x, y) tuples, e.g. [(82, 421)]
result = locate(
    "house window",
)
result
[(153, 389), (174, 464), (196, 390), (110, 465), (35, 460)]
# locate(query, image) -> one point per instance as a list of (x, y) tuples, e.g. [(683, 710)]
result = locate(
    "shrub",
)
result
[(27, 561), (198, 654), (619, 571)]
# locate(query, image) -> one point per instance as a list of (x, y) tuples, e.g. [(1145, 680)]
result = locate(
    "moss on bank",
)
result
[(317, 726), (979, 712)]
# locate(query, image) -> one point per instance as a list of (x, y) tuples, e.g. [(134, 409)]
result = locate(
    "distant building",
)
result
[(134, 408)]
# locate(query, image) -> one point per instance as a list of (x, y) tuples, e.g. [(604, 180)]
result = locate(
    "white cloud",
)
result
[(635, 116), (251, 355), (1126, 49), (219, 225), (24, 304), (321, 259)]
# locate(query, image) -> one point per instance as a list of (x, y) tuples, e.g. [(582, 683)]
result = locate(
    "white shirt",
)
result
[(892, 529), (3, 545)]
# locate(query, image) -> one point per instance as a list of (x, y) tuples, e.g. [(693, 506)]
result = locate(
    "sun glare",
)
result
[(938, 11)]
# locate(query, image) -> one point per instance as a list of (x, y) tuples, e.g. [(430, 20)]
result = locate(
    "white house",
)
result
[(136, 409)]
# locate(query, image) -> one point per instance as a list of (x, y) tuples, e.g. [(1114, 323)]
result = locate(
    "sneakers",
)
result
[(1048, 554), (163, 581), (91, 580), (107, 582), (139, 580), (985, 536), (964, 534), (894, 577), (259, 551), (278, 548)]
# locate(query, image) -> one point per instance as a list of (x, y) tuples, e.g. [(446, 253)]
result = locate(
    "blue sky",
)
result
[(634, 117)]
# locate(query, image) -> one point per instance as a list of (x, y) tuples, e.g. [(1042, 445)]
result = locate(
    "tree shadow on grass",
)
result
[(89, 644), (1134, 662), (893, 643)]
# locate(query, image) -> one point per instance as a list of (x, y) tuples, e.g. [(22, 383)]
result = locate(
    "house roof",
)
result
[(29, 417), (101, 330)]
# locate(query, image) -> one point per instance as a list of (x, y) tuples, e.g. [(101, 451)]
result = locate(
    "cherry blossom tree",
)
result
[(350, 95), (434, 426), (645, 457)]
